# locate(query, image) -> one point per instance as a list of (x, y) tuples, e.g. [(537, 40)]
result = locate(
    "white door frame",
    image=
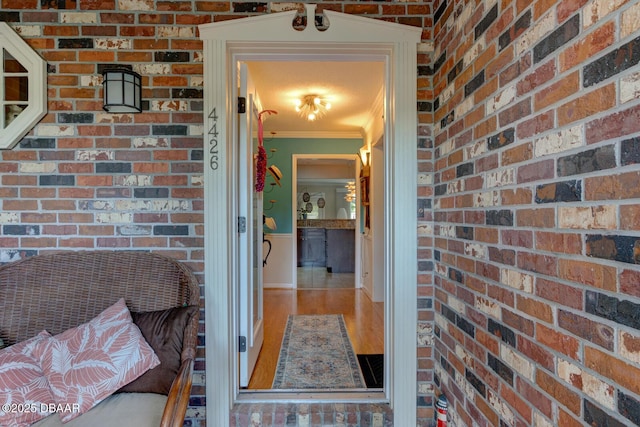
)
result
[(266, 37), (250, 204)]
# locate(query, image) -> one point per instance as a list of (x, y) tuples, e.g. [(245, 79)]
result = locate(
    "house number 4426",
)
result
[(213, 140)]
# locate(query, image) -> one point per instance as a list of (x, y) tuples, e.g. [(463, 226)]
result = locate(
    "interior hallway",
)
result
[(364, 320)]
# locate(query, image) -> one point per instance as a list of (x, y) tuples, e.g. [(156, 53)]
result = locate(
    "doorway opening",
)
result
[(314, 209), (272, 37), (327, 221), (326, 255)]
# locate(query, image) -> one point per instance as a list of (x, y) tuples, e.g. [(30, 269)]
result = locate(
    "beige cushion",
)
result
[(118, 410)]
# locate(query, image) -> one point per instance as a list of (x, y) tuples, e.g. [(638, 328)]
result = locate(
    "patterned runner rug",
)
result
[(316, 354)]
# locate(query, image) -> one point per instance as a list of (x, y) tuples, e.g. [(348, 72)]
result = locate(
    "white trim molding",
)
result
[(348, 38), (318, 135), (34, 108)]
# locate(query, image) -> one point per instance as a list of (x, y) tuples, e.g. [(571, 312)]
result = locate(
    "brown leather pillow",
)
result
[(164, 331)]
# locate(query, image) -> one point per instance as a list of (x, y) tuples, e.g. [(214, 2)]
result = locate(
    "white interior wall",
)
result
[(278, 273), (377, 222)]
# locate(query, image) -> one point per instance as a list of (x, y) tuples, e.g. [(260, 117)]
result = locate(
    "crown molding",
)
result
[(319, 134)]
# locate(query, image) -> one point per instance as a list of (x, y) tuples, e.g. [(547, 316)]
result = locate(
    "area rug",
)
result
[(372, 367), (316, 354)]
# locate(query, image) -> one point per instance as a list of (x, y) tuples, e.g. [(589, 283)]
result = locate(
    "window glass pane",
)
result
[(16, 88), (11, 65), (11, 111)]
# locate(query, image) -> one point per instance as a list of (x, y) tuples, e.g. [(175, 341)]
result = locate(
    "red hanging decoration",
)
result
[(261, 163)]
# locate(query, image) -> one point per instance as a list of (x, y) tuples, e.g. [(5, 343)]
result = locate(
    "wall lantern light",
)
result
[(365, 155), (122, 91)]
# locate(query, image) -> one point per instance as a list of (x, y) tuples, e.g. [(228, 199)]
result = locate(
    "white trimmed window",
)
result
[(23, 87)]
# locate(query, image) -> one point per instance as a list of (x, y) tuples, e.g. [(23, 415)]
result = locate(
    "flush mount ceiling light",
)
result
[(312, 107), (122, 91)]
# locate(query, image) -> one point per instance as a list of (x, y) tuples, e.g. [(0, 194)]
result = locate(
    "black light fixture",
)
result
[(122, 90)]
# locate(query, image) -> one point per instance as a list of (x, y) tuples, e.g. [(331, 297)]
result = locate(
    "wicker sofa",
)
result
[(59, 291)]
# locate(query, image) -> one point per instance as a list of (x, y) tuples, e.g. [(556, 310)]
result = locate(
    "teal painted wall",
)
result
[(281, 210)]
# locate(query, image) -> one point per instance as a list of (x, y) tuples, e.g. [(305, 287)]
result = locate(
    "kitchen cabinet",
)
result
[(312, 247), (341, 250)]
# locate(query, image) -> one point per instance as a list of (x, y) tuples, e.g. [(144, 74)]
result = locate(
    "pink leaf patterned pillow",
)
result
[(23, 386), (86, 364)]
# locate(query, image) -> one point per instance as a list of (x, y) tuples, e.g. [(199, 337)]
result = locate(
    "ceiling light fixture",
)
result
[(351, 191), (312, 107)]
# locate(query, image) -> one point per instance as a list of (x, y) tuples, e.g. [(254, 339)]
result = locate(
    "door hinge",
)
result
[(242, 224), (242, 105), (242, 344)]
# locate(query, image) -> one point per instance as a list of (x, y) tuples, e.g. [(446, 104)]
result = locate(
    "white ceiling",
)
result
[(354, 90)]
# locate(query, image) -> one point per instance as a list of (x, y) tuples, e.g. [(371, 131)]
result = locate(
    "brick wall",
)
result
[(537, 222), (86, 179), (527, 155)]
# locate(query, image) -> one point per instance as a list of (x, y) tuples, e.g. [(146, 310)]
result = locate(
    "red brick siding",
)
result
[(527, 193), (556, 129)]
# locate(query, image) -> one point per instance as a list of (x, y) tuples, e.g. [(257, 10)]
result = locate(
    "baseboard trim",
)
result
[(277, 285)]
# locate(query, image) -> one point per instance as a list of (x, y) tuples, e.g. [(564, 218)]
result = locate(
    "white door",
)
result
[(250, 233)]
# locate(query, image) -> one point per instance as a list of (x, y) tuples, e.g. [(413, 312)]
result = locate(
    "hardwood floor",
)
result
[(364, 320)]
